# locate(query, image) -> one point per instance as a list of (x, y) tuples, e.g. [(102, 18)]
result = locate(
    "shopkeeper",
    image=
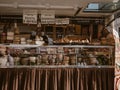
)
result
[(46, 38)]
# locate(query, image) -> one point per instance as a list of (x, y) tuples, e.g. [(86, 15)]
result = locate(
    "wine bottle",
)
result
[(10, 34)]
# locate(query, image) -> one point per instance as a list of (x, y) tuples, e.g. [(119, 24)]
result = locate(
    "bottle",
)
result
[(16, 34), (16, 29), (4, 34), (10, 34), (3, 37), (38, 30)]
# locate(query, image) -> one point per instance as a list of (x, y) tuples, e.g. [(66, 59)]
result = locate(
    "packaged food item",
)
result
[(32, 60), (24, 61), (3, 60)]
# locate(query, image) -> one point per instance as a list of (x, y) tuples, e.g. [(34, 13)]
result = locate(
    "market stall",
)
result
[(68, 63), (58, 46)]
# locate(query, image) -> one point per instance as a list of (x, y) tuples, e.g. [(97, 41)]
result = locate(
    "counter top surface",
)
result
[(33, 46), (56, 66)]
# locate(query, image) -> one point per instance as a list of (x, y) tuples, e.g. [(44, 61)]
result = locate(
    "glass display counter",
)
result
[(80, 55)]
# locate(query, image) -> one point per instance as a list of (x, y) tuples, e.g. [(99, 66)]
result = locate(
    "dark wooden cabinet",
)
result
[(85, 31), (54, 31)]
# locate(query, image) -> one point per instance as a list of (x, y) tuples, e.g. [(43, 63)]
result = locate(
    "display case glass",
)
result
[(80, 55)]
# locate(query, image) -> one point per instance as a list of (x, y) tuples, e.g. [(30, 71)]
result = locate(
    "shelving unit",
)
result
[(82, 30), (55, 31)]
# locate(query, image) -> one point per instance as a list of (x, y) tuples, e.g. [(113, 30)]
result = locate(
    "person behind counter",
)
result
[(33, 35), (46, 38)]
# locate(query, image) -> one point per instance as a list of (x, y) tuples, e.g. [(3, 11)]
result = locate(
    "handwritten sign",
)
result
[(62, 21), (47, 14), (30, 16), (48, 21)]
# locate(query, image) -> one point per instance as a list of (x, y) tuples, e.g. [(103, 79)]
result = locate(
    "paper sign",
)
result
[(47, 14), (30, 16), (62, 21), (48, 21)]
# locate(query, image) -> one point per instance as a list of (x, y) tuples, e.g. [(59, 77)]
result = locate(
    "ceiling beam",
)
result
[(31, 6), (78, 10)]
